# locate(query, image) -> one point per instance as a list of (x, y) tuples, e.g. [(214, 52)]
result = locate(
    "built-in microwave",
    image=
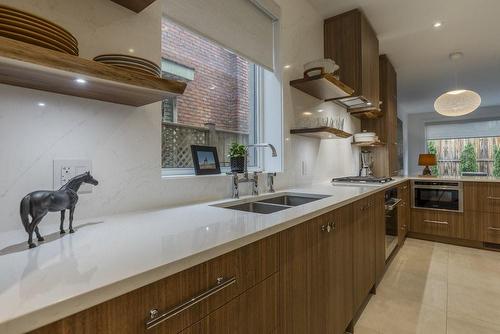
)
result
[(437, 195)]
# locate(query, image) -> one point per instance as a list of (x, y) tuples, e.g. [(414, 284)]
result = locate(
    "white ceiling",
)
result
[(420, 52)]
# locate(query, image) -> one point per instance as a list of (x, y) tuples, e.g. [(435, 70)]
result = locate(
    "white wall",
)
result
[(416, 131), (123, 142)]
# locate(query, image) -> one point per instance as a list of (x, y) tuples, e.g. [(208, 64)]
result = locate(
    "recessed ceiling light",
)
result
[(368, 103), (131, 50), (437, 24), (287, 66), (307, 113), (320, 110), (80, 81), (41, 104)]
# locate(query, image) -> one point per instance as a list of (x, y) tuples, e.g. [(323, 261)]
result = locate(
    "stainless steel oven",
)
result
[(437, 195)]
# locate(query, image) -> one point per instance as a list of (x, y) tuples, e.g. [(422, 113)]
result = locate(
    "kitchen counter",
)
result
[(113, 255)]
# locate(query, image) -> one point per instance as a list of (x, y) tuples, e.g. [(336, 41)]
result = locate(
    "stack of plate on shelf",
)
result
[(24, 27), (131, 64), (328, 65), (365, 137)]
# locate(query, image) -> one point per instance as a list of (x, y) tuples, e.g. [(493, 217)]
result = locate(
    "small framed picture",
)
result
[(205, 160)]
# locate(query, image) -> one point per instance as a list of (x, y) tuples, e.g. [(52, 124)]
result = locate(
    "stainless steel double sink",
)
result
[(277, 203)]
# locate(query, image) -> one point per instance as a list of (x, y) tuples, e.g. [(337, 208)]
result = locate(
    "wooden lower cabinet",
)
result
[(128, 313), (380, 232), (316, 291), (404, 214), (440, 223), (482, 196), (489, 226), (254, 311), (364, 249)]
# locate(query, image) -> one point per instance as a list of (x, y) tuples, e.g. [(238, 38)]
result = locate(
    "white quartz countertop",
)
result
[(110, 256)]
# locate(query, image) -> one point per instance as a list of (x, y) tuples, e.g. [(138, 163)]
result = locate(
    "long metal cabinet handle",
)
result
[(156, 318), (435, 222), (493, 228), (493, 198)]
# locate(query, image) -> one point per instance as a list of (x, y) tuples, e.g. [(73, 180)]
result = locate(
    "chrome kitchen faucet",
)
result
[(255, 179)]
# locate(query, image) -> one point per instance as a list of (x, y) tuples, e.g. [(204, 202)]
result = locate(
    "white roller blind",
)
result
[(490, 128), (244, 26)]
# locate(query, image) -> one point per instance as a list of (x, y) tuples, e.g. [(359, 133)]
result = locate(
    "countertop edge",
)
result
[(64, 308)]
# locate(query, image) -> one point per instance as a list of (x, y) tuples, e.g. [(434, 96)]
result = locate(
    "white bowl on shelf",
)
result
[(365, 137)]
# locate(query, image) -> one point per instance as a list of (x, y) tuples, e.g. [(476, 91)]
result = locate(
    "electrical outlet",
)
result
[(65, 170)]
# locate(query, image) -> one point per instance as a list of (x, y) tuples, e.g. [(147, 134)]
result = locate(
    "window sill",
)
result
[(189, 173), (188, 176)]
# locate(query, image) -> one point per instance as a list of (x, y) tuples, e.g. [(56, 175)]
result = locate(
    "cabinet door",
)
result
[(293, 280), (316, 275), (330, 272), (490, 225), (379, 217), (255, 311), (482, 196), (403, 212), (363, 249)]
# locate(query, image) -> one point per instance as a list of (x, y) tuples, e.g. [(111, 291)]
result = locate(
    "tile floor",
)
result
[(433, 288)]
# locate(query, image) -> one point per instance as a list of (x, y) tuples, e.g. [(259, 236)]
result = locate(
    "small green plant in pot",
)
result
[(237, 154)]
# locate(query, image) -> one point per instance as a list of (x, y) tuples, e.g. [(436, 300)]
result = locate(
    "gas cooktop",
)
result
[(362, 179)]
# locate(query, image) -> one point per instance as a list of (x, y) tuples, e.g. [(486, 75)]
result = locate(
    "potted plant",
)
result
[(237, 154)]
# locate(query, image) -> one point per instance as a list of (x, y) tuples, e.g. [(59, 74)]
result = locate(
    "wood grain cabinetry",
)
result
[(352, 43), (254, 311), (482, 196), (490, 226), (403, 212), (128, 313), (316, 288), (386, 158), (364, 249), (440, 223), (380, 240)]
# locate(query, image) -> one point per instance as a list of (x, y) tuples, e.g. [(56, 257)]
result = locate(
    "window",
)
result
[(220, 104), (465, 147)]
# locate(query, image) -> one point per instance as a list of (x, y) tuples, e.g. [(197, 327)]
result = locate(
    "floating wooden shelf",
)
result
[(324, 132), (365, 112), (30, 66), (323, 87), (370, 144)]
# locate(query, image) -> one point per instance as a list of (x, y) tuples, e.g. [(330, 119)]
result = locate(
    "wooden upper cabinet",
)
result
[(386, 127), (352, 43)]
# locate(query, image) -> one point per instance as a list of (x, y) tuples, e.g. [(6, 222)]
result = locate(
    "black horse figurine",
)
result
[(38, 203)]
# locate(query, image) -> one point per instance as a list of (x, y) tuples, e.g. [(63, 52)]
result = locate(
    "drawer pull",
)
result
[(435, 222), (493, 198), (156, 318), (494, 228)]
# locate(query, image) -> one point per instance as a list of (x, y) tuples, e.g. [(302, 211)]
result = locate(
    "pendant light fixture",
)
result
[(457, 102)]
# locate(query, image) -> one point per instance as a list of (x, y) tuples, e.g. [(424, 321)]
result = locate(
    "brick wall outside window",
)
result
[(219, 92)]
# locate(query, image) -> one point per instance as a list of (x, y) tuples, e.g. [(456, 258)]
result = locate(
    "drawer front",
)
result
[(255, 311), (482, 196), (490, 223), (446, 224), (212, 284)]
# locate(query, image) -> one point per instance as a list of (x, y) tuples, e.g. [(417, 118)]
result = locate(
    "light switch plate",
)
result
[(66, 169)]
